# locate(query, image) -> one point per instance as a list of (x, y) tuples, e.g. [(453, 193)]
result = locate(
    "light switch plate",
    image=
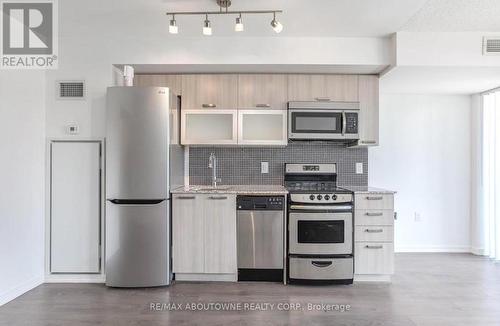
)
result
[(264, 167), (359, 168)]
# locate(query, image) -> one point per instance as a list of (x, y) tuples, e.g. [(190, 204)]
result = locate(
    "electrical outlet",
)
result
[(359, 168), (418, 217), (264, 167)]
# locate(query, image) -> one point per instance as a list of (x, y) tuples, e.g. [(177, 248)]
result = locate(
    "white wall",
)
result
[(425, 156), (477, 226), (22, 203)]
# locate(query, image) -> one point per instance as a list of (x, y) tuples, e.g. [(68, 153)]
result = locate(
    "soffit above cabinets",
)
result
[(255, 68)]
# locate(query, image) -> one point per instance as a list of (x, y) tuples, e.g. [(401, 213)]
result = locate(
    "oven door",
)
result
[(320, 233), (315, 124)]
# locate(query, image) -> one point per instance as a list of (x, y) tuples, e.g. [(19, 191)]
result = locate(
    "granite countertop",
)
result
[(365, 189), (232, 189)]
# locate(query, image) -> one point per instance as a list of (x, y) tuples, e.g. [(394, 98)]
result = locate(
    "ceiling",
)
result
[(456, 16), (318, 18), (301, 18)]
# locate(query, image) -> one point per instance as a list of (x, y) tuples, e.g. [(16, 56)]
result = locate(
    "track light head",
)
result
[(276, 25), (173, 28), (207, 27), (238, 27)]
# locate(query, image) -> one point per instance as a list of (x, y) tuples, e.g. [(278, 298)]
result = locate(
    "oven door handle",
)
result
[(321, 208), (321, 264)]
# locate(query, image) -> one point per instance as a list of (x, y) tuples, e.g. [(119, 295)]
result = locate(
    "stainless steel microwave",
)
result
[(323, 120)]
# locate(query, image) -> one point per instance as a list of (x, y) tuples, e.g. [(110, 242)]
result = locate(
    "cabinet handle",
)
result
[(395, 215), (322, 99), (263, 105), (374, 247), (368, 142), (217, 197), (374, 230), (374, 197), (321, 263), (185, 197), (209, 105), (374, 214)]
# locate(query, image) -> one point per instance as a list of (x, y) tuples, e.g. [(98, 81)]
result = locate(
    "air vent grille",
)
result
[(71, 90), (491, 45)]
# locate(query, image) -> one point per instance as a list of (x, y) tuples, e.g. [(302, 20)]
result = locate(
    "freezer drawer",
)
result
[(137, 244), (260, 239), (321, 268)]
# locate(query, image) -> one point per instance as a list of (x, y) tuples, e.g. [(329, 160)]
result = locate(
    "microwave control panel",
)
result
[(351, 123)]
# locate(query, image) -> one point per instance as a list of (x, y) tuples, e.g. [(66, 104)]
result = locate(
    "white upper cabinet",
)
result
[(342, 88), (262, 127), (262, 91), (209, 127), (209, 92), (369, 111)]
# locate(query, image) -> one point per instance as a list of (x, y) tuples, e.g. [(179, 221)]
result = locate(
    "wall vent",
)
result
[(71, 90), (491, 45)]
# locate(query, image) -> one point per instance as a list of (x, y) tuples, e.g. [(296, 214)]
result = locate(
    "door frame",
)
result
[(74, 277)]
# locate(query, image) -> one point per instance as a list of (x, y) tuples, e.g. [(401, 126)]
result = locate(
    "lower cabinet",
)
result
[(204, 236), (374, 236)]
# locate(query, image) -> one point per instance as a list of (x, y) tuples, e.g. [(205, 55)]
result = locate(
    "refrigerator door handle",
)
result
[(136, 202)]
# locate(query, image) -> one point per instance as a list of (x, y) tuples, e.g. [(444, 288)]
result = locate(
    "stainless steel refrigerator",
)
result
[(143, 162)]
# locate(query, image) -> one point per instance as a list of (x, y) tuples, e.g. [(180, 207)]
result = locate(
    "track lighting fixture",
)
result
[(223, 10)]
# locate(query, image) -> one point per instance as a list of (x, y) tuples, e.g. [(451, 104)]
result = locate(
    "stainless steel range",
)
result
[(320, 225)]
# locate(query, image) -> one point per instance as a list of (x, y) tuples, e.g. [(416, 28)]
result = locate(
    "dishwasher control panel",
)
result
[(256, 203)]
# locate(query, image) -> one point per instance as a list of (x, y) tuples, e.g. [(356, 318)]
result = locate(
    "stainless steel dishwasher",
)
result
[(260, 223)]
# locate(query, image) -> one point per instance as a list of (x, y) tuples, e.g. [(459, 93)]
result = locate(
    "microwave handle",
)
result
[(344, 123)]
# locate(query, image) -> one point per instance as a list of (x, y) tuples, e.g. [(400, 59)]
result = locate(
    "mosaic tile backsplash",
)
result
[(241, 165)]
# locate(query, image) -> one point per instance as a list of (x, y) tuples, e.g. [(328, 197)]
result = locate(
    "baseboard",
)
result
[(372, 278), (451, 249), (20, 289), (478, 251), (206, 277), (75, 278)]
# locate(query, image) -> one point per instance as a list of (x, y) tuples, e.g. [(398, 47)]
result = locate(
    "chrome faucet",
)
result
[(212, 163)]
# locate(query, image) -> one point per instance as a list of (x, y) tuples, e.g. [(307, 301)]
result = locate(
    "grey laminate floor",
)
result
[(428, 289)]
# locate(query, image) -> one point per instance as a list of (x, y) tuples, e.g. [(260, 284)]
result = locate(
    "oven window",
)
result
[(316, 122), (320, 231)]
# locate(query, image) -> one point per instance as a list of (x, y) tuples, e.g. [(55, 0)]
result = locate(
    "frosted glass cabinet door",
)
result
[(214, 127), (262, 127)]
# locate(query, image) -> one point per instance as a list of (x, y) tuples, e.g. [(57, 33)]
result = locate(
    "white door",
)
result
[(75, 207)]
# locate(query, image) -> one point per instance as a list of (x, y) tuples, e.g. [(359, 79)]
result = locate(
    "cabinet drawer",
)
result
[(374, 201), (374, 217), (374, 258), (321, 268), (374, 233)]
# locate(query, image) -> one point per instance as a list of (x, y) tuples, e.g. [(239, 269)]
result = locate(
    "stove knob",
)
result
[(334, 197), (311, 197), (319, 197), (327, 197)]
